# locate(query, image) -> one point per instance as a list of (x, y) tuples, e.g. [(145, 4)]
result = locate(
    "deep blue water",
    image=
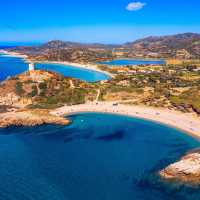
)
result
[(134, 62), (97, 157), (11, 66)]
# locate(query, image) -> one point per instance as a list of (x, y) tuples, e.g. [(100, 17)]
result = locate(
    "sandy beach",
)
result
[(13, 54), (187, 122), (92, 67)]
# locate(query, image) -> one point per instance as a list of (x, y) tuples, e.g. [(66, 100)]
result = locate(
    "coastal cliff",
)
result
[(186, 170)]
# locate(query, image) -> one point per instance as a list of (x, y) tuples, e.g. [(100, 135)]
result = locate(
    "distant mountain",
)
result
[(55, 44), (182, 46), (186, 45), (58, 50)]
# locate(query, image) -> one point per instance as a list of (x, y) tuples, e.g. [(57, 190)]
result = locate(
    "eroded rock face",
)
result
[(186, 170)]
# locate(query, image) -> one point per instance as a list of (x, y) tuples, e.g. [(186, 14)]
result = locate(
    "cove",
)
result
[(97, 157), (74, 72), (11, 66)]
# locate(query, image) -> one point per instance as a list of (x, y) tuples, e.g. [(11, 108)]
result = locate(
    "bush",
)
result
[(19, 89), (34, 91), (43, 86)]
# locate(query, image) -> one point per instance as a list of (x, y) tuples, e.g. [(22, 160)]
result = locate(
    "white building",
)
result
[(31, 67)]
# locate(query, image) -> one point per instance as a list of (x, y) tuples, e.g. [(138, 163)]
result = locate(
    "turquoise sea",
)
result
[(122, 62), (97, 157), (11, 66)]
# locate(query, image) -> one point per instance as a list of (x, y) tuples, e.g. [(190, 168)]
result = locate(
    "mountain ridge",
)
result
[(180, 46), (186, 45)]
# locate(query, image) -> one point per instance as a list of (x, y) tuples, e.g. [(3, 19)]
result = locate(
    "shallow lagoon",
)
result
[(97, 157), (122, 62)]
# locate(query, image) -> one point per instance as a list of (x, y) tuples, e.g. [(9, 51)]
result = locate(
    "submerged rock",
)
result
[(186, 170)]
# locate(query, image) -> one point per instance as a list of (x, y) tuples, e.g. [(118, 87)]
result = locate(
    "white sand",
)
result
[(92, 67), (13, 54), (188, 122)]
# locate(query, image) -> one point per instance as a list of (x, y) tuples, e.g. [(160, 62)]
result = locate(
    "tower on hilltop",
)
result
[(31, 67)]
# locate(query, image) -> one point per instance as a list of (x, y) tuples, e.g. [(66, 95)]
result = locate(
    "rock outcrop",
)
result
[(186, 170), (30, 118)]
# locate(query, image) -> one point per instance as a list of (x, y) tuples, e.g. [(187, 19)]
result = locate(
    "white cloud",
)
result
[(134, 6)]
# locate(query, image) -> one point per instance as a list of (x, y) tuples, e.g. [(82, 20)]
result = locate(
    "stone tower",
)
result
[(31, 67)]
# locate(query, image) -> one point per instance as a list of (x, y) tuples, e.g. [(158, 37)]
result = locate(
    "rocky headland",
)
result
[(185, 171), (30, 118), (26, 100)]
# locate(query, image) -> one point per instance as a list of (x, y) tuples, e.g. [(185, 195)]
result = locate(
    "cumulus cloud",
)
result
[(134, 6)]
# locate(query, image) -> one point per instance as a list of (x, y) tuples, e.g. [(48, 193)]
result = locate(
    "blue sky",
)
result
[(107, 21)]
